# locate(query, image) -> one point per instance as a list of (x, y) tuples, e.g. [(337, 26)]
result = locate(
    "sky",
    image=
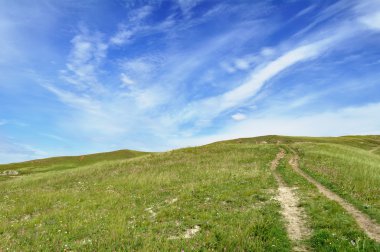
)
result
[(88, 76)]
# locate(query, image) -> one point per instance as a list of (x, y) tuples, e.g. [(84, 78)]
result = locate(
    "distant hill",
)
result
[(66, 162), (369, 142)]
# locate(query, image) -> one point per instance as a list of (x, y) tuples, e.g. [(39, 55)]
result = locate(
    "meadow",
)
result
[(217, 197)]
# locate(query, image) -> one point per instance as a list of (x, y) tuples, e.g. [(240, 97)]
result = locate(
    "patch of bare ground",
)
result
[(190, 233), (370, 227), (291, 211)]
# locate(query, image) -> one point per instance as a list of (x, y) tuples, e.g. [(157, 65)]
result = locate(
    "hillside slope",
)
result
[(63, 163), (251, 194)]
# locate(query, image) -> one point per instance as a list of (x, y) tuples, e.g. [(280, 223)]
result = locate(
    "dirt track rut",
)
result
[(371, 228), (292, 213)]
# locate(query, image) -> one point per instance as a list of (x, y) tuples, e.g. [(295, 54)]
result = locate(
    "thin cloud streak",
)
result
[(209, 108), (172, 74), (346, 121), (198, 113)]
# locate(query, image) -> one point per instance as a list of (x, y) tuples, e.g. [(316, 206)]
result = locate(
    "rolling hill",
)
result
[(270, 193), (63, 163)]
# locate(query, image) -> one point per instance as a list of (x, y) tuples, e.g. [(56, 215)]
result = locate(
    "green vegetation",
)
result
[(64, 163), (216, 197), (351, 172), (149, 202), (333, 229)]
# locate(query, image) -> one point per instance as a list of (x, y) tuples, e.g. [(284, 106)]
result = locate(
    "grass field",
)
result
[(220, 197), (65, 163), (351, 172)]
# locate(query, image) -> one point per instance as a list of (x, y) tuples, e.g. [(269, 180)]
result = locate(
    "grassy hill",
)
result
[(63, 163), (224, 196)]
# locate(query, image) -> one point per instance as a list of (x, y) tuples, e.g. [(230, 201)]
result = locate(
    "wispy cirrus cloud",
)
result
[(207, 109), (134, 25), (187, 5), (194, 114), (371, 18), (97, 103), (239, 117), (339, 122), (11, 150), (182, 72), (126, 80), (85, 58)]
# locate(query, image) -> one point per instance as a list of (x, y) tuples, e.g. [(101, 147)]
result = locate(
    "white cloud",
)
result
[(11, 151), (334, 12), (138, 108), (239, 117), (258, 78), (121, 37), (209, 108), (242, 64), (126, 80), (95, 119), (305, 11), (345, 121), (84, 102), (372, 21), (227, 67), (245, 62), (127, 30), (141, 13), (187, 5), (141, 66), (113, 115), (54, 137), (87, 54), (351, 120), (368, 12), (150, 97), (266, 51)]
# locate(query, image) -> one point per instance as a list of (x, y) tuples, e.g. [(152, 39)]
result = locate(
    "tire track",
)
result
[(294, 215), (371, 228)]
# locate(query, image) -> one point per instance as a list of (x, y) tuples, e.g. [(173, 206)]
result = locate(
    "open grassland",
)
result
[(223, 197), (216, 197), (351, 172), (332, 228), (64, 163)]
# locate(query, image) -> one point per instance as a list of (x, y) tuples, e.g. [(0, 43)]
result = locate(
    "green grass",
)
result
[(363, 142), (64, 163), (376, 151), (226, 190), (351, 172), (332, 228), (135, 201)]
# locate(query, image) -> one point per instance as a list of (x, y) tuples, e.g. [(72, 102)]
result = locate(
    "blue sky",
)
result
[(98, 75)]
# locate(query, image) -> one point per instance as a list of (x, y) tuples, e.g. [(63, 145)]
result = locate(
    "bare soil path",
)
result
[(291, 211), (370, 227)]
